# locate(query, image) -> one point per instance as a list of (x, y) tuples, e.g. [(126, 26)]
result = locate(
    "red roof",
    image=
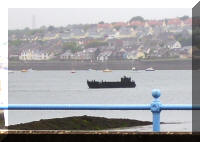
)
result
[(120, 24), (104, 25), (174, 22), (137, 23), (154, 22)]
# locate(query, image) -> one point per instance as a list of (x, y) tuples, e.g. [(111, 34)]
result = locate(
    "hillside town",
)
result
[(135, 39)]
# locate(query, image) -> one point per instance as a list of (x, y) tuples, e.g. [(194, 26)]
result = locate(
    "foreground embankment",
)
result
[(96, 136), (114, 65), (30, 131)]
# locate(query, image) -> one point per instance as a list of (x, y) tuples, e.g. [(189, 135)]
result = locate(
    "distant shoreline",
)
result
[(163, 64)]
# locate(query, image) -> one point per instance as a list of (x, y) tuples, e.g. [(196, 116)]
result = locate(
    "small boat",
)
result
[(133, 68), (107, 70), (30, 70), (125, 82), (91, 70), (73, 71), (24, 70), (150, 69)]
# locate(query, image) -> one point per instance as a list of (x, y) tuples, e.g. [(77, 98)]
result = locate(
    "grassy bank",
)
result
[(79, 123)]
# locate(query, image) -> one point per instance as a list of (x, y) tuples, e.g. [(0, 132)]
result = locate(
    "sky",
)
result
[(19, 18)]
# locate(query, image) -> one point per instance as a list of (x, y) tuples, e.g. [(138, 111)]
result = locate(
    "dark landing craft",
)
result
[(124, 83)]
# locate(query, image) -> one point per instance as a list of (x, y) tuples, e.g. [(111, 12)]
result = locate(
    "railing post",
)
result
[(156, 109)]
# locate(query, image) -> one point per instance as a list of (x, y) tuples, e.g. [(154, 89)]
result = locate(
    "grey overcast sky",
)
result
[(19, 18)]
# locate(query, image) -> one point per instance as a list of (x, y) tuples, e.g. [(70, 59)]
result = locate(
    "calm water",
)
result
[(62, 87)]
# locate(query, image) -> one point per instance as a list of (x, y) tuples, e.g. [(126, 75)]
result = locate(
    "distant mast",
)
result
[(33, 22)]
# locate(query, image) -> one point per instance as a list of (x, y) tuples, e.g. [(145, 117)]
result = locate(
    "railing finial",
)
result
[(156, 93)]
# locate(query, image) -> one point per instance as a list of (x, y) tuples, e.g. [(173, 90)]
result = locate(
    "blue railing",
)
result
[(156, 107)]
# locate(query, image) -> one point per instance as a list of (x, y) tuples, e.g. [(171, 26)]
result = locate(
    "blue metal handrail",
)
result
[(74, 107), (156, 107)]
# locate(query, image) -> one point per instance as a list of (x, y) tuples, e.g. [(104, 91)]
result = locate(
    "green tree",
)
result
[(101, 22), (137, 18), (184, 17), (26, 29), (96, 43), (51, 28), (72, 46), (15, 42), (117, 27)]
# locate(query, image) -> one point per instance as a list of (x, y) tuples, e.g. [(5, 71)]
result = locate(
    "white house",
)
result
[(35, 55), (103, 56), (67, 55), (174, 45)]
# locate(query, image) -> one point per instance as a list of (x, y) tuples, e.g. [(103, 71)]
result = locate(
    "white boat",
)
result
[(30, 70), (107, 70), (91, 70), (73, 71), (150, 69), (133, 68)]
